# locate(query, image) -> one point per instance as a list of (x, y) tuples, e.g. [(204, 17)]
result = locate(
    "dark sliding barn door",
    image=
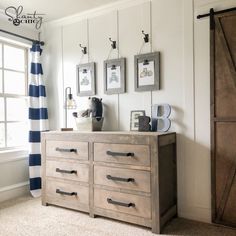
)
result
[(223, 118)]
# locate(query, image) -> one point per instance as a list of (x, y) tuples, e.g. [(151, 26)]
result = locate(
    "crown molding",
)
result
[(95, 12)]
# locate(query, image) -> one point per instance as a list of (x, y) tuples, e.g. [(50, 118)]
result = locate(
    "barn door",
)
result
[(223, 117)]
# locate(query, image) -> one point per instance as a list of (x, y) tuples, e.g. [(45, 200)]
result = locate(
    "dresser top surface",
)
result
[(108, 133)]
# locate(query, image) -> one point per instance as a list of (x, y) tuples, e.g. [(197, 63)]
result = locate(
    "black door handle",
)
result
[(110, 201), (66, 193), (120, 179), (66, 171), (66, 149), (124, 154)]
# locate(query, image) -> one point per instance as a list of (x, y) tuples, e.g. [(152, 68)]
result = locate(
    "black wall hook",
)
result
[(84, 49), (113, 45), (146, 37)]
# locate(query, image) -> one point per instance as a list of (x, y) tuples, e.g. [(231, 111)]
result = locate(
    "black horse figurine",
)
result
[(96, 108)]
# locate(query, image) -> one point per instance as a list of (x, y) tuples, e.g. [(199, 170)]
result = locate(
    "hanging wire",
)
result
[(109, 54), (118, 51), (141, 48), (81, 58)]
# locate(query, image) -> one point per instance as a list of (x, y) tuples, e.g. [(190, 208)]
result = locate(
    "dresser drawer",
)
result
[(123, 202), (122, 153), (66, 193), (137, 180), (67, 170), (67, 149)]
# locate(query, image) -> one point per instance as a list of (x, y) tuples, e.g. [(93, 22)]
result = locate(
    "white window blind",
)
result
[(13, 96)]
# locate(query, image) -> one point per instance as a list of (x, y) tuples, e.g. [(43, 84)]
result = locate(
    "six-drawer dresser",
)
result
[(129, 176)]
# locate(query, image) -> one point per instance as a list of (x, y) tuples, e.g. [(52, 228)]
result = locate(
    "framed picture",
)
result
[(134, 123), (85, 76), (147, 72), (114, 76)]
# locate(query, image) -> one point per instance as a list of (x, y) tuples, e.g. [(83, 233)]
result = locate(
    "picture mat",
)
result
[(146, 74), (113, 77), (85, 80)]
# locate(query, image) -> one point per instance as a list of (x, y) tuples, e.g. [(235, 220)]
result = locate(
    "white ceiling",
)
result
[(55, 9)]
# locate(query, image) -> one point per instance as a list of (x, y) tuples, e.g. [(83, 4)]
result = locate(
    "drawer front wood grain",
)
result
[(66, 149), (67, 170), (122, 178), (123, 202), (73, 194), (122, 153)]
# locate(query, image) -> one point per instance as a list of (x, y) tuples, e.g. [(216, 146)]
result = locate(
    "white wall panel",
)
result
[(131, 23), (167, 31), (202, 114), (168, 36), (101, 28), (52, 67), (14, 172), (72, 36)]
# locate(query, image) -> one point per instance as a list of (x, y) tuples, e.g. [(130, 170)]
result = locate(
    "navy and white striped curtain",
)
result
[(38, 118)]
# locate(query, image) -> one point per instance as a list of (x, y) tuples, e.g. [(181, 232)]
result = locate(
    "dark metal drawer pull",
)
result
[(66, 171), (66, 150), (120, 179), (110, 201), (125, 154), (66, 193)]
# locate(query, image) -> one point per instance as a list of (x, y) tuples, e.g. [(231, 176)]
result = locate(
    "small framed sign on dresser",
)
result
[(128, 176)]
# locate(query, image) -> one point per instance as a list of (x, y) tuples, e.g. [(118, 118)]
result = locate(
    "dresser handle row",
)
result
[(66, 150), (66, 171), (124, 154), (120, 179), (110, 201), (66, 193)]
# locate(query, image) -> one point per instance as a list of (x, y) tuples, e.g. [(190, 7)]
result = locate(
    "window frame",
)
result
[(8, 95)]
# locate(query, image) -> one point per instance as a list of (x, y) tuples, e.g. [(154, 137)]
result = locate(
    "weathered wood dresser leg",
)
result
[(156, 229), (44, 203)]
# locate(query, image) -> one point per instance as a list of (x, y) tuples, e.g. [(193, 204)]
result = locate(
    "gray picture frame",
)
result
[(133, 119), (86, 67), (108, 65), (147, 58)]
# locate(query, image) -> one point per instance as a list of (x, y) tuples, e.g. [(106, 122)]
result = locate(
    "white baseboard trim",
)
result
[(14, 191), (13, 155), (196, 213)]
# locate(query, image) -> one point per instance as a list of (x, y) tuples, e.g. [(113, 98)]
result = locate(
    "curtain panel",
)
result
[(38, 118)]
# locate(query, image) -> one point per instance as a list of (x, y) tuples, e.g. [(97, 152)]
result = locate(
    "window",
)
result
[(13, 96)]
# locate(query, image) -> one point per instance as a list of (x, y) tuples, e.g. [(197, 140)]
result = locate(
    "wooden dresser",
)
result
[(129, 176)]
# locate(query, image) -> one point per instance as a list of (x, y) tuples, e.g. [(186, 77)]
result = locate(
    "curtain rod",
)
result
[(216, 12), (23, 37)]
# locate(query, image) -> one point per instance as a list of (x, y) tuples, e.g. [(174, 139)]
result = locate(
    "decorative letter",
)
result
[(144, 123), (160, 117)]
